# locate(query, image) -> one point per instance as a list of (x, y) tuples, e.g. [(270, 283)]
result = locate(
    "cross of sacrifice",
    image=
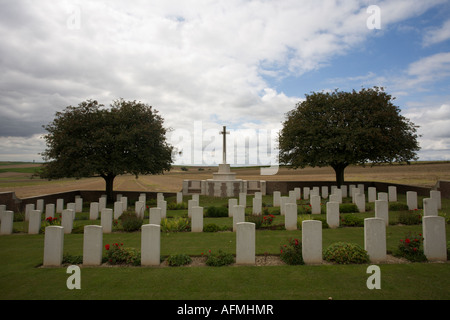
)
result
[(224, 132)]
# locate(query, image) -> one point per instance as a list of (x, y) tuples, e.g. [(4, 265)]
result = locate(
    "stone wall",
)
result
[(18, 205)]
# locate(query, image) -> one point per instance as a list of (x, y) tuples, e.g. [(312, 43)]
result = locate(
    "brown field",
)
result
[(418, 174)]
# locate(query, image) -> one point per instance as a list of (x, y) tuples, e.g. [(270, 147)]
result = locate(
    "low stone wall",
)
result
[(18, 205), (444, 187)]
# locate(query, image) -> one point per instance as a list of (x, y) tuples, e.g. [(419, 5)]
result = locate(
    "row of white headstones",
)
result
[(374, 228)]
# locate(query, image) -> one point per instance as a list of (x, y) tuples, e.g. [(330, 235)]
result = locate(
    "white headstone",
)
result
[(7, 219), (150, 245), (72, 206), (78, 204), (324, 192), (155, 216), (333, 214), (315, 204), (106, 220), (436, 196), (101, 203), (191, 204), (312, 241), (298, 193), (429, 207), (238, 216), (92, 245), (306, 192), (383, 196), (50, 210), (28, 208), (67, 220), (118, 209), (93, 211), (53, 246), (245, 243), (375, 239), (179, 197), (257, 206), (360, 201), (231, 203), (243, 199), (382, 210), (139, 208), (276, 198), (434, 243), (40, 205), (59, 205), (344, 191), (197, 219), (124, 201), (392, 192), (34, 224), (411, 200), (292, 197), (372, 194), (290, 216)]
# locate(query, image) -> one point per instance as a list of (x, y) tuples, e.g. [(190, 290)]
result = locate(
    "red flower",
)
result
[(407, 240), (107, 247)]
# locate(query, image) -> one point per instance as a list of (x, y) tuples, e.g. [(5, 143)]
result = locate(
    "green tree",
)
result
[(339, 128), (91, 140)]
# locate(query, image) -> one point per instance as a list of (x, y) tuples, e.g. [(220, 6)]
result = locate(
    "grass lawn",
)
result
[(21, 276)]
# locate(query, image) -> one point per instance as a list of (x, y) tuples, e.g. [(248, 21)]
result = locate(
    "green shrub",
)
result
[(291, 253), (258, 220), (117, 254), (398, 206), (411, 248), (216, 212), (348, 208), (345, 253), (409, 217), (219, 259), (211, 227), (130, 221), (69, 259), (178, 224), (178, 260), (350, 220), (304, 209), (177, 206)]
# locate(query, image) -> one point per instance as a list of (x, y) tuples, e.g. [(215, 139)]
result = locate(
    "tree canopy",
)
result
[(340, 128), (91, 140)]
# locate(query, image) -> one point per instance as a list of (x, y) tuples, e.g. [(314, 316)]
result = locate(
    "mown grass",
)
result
[(21, 276)]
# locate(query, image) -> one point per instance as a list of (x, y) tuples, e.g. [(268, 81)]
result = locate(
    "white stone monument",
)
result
[(375, 239), (245, 243), (290, 216), (106, 219), (92, 245), (312, 241), (333, 214), (150, 245), (238, 216), (53, 246)]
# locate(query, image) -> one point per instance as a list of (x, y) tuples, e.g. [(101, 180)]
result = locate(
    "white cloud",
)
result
[(191, 60), (437, 35)]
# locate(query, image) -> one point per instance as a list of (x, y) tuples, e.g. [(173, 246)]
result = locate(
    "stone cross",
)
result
[(224, 132)]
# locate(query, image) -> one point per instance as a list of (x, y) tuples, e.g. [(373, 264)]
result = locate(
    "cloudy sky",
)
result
[(206, 64)]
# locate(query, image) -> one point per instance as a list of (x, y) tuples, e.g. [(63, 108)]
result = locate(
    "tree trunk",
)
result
[(339, 170), (109, 181)]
